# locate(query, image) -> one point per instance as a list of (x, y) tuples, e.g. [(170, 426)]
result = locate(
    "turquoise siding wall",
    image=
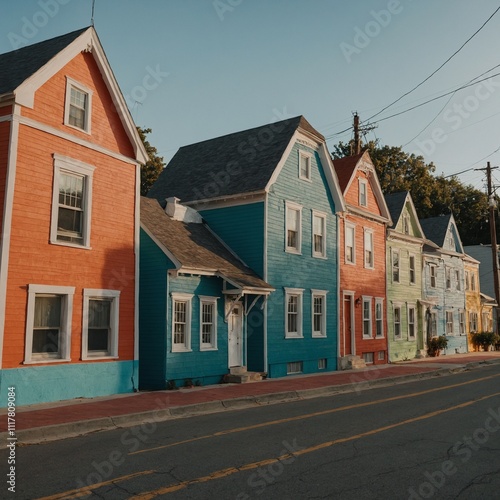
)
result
[(152, 314), (207, 367), (255, 338), (300, 271), (242, 228), (42, 384)]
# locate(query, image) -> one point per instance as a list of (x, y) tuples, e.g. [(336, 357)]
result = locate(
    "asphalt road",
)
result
[(436, 438)]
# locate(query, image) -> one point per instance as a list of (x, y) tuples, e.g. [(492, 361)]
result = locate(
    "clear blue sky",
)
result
[(227, 65)]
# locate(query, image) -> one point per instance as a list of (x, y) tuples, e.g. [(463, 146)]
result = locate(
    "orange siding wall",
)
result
[(106, 129), (352, 196)]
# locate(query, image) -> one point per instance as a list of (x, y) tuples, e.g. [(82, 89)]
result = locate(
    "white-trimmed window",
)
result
[(208, 323), (412, 269), (379, 318), (318, 313), (457, 280), (304, 165), (449, 322), (48, 324), (451, 240), (367, 317), (368, 358), (181, 321), (448, 278), (473, 281), (319, 234), (350, 245), (467, 286), (411, 322), (78, 106), (406, 224), (432, 275), (397, 321), (293, 223), (100, 323), (71, 202), (395, 266), (461, 322), (473, 327), (486, 322), (368, 243), (363, 188), (294, 367), (293, 312)]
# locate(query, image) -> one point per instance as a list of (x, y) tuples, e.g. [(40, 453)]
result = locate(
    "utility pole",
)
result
[(492, 205), (358, 130)]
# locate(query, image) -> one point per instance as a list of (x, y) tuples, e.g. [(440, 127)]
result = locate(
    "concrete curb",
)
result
[(49, 433)]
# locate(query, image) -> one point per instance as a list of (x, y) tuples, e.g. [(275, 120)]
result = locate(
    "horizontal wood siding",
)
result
[(352, 195), (4, 155), (287, 270), (242, 228), (152, 315)]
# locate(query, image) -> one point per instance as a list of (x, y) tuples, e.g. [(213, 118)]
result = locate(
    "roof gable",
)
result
[(442, 230), (401, 207), (32, 66)]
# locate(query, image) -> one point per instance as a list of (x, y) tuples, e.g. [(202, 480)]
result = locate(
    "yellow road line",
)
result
[(254, 465), (87, 490), (310, 415)]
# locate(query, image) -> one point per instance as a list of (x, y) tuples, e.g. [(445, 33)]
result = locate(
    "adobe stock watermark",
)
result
[(461, 453), (456, 114), (31, 26), (223, 6), (267, 474), (372, 29), (151, 81)]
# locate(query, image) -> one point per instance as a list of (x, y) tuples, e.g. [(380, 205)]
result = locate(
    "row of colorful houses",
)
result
[(254, 254)]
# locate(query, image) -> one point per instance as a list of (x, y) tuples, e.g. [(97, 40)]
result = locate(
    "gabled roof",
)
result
[(237, 164), (436, 229), (346, 168), (18, 65), (193, 247), (396, 203), (24, 70)]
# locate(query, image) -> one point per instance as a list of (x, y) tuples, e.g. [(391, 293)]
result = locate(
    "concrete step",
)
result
[(238, 370), (351, 362), (243, 378)]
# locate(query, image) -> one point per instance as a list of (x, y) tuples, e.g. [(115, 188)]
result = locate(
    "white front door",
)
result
[(235, 327)]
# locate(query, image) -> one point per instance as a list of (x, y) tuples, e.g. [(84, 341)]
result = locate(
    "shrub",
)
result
[(436, 344), (484, 340)]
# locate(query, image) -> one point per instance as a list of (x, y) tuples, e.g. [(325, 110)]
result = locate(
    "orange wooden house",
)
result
[(70, 161), (362, 262)]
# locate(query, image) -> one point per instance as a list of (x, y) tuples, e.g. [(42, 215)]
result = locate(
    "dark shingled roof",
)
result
[(238, 163), (196, 247), (435, 228), (20, 64), (395, 203), (344, 167)]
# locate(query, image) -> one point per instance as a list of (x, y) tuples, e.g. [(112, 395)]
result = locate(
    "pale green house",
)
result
[(405, 310)]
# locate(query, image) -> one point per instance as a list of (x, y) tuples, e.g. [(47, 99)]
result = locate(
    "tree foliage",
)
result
[(153, 167), (432, 195)]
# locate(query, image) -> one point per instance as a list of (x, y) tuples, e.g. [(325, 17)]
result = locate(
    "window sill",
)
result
[(318, 336), (320, 256), (293, 251), (74, 127), (294, 337), (307, 179), (97, 357), (39, 361), (202, 349), (69, 244), (182, 350)]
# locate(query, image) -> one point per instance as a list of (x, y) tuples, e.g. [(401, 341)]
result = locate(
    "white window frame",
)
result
[(289, 205), (412, 269), (307, 157), (186, 298), (368, 238), (70, 83), (473, 322), (319, 294), (458, 281), (467, 285), (447, 277), (379, 305), (369, 320), (396, 252), (67, 293), (205, 300), (409, 308), (350, 227), (449, 324), (432, 275), (486, 321), (461, 322), (397, 306), (363, 192), (406, 224), (299, 293), (114, 297), (322, 216), (70, 166)]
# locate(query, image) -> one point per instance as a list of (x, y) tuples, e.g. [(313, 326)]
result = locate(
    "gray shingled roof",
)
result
[(20, 64), (395, 203), (196, 247), (238, 163), (435, 228)]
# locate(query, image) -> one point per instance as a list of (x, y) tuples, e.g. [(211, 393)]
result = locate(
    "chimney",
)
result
[(180, 212)]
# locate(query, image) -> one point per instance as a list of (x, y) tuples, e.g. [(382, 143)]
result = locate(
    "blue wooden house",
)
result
[(271, 194), (443, 282)]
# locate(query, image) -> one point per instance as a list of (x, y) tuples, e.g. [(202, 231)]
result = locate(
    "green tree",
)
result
[(153, 167)]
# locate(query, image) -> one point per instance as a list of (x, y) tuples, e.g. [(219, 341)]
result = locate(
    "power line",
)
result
[(435, 71)]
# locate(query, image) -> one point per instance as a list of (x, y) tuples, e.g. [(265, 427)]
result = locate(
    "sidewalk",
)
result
[(51, 421)]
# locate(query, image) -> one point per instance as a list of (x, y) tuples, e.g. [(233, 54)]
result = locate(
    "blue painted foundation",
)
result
[(44, 384)]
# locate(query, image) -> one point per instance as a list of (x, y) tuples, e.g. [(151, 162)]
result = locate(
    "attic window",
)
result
[(362, 193), (77, 112), (304, 166)]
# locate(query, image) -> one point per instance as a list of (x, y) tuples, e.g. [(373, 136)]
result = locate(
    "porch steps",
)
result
[(240, 375), (352, 362)]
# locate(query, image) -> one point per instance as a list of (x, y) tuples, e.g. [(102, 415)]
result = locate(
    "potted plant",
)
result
[(436, 344)]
